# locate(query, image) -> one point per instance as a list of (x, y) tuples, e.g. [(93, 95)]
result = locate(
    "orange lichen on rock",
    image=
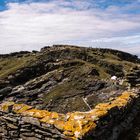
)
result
[(99, 112), (59, 124), (5, 106), (20, 108), (122, 100), (36, 113), (73, 125)]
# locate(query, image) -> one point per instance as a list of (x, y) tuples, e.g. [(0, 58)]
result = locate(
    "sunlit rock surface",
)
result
[(73, 125), (66, 92)]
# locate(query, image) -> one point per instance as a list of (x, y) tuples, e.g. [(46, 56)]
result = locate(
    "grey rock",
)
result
[(31, 120)]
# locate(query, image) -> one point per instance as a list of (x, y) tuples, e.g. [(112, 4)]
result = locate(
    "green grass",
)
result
[(75, 64), (67, 88), (10, 65)]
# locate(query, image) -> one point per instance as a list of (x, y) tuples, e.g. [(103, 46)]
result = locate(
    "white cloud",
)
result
[(32, 26), (127, 43)]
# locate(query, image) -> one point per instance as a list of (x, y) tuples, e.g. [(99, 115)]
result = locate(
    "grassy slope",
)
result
[(12, 64), (78, 75)]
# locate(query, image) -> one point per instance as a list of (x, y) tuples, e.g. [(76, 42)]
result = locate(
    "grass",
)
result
[(78, 78), (76, 65), (67, 88), (10, 65)]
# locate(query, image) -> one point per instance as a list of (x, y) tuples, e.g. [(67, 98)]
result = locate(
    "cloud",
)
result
[(128, 43), (32, 25)]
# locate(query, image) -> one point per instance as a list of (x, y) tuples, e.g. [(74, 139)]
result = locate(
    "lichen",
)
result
[(20, 108), (5, 106), (73, 125)]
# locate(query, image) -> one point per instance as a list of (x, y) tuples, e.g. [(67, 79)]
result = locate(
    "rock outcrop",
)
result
[(66, 92), (133, 77), (23, 121)]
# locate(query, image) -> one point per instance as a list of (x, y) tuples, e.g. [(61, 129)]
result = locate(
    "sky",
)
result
[(33, 24)]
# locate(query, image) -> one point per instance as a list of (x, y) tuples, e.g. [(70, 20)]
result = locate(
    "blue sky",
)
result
[(32, 24)]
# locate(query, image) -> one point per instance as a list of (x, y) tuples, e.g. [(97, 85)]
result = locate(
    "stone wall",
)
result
[(105, 122)]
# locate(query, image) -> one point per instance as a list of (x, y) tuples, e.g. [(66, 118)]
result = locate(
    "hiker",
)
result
[(114, 80)]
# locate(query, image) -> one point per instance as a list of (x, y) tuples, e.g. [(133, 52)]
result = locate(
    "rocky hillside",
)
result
[(64, 78), (67, 92)]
